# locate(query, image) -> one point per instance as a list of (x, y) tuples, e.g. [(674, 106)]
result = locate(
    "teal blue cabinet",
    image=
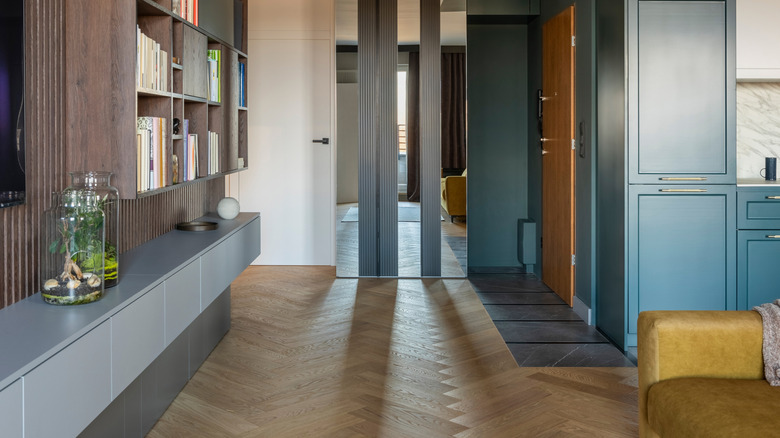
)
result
[(758, 246), (666, 195), (681, 249), (759, 266), (682, 113), (759, 209)]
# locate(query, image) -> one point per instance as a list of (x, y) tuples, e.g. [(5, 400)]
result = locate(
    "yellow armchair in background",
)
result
[(453, 195), (701, 374)]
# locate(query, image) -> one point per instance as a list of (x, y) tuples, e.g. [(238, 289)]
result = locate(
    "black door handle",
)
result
[(324, 140)]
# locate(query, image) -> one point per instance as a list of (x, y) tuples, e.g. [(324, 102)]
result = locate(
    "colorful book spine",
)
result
[(193, 156), (151, 63), (213, 79), (241, 82), (152, 155), (189, 10), (185, 162), (213, 57), (213, 156)]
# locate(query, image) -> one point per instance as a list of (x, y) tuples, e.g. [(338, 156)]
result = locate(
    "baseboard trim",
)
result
[(497, 270), (582, 310)]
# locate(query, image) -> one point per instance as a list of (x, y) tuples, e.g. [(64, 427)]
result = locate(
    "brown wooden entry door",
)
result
[(558, 154)]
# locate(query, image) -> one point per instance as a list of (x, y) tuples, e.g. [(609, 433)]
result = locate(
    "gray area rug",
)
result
[(405, 214)]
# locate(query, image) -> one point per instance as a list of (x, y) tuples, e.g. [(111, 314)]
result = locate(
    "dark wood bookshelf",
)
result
[(103, 102)]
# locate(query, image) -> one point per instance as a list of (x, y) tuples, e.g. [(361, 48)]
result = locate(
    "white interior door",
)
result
[(290, 178)]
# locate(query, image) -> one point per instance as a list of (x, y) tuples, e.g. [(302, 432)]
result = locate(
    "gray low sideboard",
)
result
[(112, 367)]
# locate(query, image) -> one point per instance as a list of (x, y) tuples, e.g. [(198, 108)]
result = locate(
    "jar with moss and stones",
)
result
[(98, 186), (79, 241)]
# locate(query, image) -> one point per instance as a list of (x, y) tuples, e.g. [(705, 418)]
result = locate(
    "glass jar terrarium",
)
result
[(73, 246), (98, 186)]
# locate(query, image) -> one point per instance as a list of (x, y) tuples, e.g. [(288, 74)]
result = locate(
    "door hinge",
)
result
[(573, 259), (573, 144), (574, 41)]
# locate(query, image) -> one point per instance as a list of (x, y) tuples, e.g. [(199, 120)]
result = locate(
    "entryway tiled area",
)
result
[(539, 328)]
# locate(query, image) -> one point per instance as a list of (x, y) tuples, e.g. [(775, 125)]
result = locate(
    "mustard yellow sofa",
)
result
[(701, 374), (453, 195)]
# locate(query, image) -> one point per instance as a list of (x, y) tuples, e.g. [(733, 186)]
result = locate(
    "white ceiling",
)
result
[(453, 22)]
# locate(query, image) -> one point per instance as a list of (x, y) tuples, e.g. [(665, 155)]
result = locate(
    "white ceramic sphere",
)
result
[(228, 208)]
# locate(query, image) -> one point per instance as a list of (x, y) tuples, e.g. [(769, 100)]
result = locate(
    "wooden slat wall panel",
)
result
[(44, 161), (144, 219), (140, 220)]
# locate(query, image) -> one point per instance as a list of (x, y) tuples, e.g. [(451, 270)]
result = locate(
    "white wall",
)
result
[(347, 129), (291, 94)]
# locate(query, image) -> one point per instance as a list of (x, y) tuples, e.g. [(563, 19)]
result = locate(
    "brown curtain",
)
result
[(453, 118), (413, 128), (453, 110)]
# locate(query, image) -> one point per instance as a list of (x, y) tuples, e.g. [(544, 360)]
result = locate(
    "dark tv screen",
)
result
[(12, 171)]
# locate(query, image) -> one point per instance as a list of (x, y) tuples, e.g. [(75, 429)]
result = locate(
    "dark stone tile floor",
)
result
[(539, 328), (530, 312), (568, 355)]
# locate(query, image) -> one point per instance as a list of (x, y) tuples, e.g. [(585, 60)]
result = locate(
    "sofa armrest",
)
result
[(454, 195), (455, 184), (672, 344)]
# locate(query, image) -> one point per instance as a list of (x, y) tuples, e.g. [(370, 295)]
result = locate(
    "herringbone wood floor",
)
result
[(310, 355)]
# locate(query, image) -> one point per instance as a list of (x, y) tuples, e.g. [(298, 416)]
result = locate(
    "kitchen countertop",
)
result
[(756, 182)]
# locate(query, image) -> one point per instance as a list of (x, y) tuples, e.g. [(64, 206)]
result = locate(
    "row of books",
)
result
[(151, 63), (187, 9), (213, 163), (241, 84), (190, 165), (152, 167), (214, 59)]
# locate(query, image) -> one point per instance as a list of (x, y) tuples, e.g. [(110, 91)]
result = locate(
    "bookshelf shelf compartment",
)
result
[(148, 7)]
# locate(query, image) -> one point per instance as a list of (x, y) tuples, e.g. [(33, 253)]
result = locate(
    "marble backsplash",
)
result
[(758, 126)]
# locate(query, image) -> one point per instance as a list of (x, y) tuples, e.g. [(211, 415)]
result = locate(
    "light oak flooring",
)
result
[(453, 260), (310, 355)]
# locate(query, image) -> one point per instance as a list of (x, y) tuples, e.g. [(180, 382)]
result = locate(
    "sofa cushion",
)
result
[(705, 407)]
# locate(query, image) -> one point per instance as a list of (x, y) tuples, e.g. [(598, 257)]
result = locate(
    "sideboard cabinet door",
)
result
[(65, 393), (11, 410)]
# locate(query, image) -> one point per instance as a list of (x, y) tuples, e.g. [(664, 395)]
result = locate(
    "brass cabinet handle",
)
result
[(697, 178), (773, 197), (773, 236), (683, 190)]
